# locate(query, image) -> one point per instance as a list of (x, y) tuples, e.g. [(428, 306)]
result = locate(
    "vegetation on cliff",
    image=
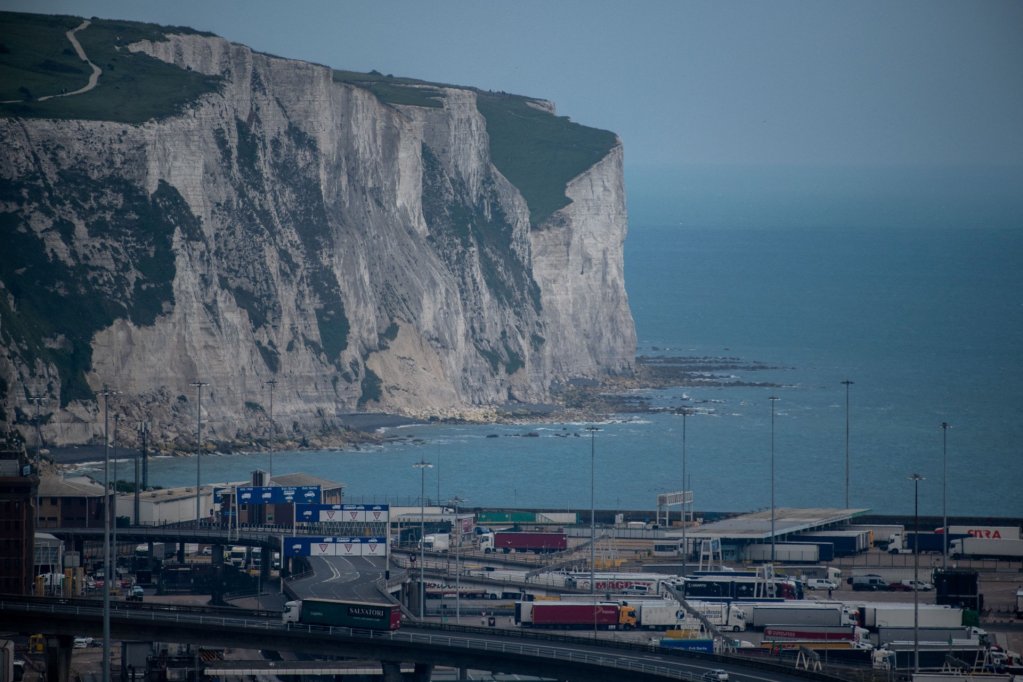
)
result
[(36, 60)]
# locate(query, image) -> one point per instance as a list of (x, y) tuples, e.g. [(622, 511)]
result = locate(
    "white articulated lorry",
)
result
[(986, 548)]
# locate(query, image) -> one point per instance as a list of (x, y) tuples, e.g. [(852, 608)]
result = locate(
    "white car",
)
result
[(919, 584), (717, 675), (820, 584)]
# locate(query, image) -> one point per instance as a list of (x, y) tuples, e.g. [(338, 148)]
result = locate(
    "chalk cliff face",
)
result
[(292, 227)]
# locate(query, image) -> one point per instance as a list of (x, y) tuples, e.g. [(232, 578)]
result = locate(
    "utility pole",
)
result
[(685, 543), (773, 399), (39, 452), (143, 432), (198, 449), (944, 491), (113, 496), (847, 384), (422, 465), (270, 474), (106, 393)]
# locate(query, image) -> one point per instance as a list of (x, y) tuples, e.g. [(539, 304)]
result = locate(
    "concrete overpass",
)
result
[(526, 653)]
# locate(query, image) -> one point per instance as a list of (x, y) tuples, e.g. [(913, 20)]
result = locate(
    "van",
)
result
[(871, 583), (820, 584)]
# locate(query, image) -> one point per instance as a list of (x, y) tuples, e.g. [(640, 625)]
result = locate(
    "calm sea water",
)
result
[(927, 323)]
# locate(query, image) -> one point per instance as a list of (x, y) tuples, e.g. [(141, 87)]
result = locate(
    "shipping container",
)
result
[(574, 615)]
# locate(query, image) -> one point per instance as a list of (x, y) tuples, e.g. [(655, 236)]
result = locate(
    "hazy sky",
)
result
[(684, 83)]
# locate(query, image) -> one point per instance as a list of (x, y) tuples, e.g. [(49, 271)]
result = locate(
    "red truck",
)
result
[(575, 615), (538, 543)]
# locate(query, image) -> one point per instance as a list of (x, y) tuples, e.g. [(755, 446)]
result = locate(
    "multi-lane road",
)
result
[(541, 655)]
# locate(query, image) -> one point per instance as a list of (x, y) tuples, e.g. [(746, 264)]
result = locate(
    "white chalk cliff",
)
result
[(366, 255)]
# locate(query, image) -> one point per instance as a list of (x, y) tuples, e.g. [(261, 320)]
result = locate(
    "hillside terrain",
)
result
[(350, 242)]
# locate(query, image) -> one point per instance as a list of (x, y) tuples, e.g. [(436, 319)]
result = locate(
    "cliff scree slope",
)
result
[(370, 243)]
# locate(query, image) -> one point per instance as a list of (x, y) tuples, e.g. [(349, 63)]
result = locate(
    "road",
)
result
[(478, 648)]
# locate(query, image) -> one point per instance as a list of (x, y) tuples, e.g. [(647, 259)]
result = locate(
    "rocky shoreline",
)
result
[(579, 402)]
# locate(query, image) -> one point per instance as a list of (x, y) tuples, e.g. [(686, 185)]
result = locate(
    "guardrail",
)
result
[(526, 643)]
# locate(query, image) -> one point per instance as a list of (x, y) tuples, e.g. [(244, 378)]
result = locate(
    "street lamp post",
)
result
[(847, 384), (685, 523), (113, 494), (944, 491), (106, 393), (773, 399), (422, 465), (198, 449), (455, 502), (593, 526), (270, 474), (916, 478), (39, 449)]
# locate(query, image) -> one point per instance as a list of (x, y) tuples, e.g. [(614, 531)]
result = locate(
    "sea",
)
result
[(926, 323)]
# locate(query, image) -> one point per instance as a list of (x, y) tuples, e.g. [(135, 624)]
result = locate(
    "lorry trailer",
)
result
[(352, 614), (635, 583), (985, 532), (797, 613), (987, 548), (972, 636), (785, 552), (575, 615), (523, 541), (873, 616), (846, 542), (849, 633)]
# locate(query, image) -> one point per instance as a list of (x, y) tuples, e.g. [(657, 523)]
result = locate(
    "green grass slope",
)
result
[(537, 151), (36, 60)]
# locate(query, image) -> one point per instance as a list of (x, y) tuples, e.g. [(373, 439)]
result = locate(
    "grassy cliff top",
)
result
[(536, 150), (37, 60)]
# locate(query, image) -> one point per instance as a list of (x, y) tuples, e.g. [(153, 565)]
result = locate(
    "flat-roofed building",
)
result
[(18, 485), (70, 503)]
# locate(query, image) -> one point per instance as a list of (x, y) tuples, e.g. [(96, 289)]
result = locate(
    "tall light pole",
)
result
[(773, 399), (270, 474), (916, 478), (422, 465), (593, 511), (455, 502), (847, 384), (944, 491), (39, 449), (113, 496), (685, 523), (106, 393), (144, 435), (198, 449)]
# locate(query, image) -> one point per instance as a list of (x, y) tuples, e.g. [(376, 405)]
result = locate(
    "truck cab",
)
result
[(486, 542)]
